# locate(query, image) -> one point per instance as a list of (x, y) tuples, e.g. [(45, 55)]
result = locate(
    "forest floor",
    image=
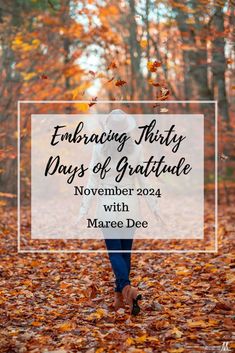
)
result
[(63, 302)]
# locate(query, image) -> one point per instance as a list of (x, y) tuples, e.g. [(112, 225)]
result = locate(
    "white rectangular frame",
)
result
[(19, 250)]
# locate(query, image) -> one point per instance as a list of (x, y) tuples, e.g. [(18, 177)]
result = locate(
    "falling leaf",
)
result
[(188, 47), (223, 157), (150, 66), (190, 21), (164, 94), (155, 84), (92, 73), (28, 76), (93, 101), (112, 66), (120, 83), (153, 66), (101, 75), (163, 110), (110, 80), (83, 107), (164, 91), (143, 43)]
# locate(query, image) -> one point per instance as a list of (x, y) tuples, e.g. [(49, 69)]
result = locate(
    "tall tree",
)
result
[(135, 51), (218, 59), (192, 29)]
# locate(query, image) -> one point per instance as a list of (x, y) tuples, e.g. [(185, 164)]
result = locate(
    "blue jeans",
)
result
[(120, 261)]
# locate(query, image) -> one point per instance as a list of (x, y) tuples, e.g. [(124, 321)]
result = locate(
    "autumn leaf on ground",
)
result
[(44, 77), (93, 291), (64, 285), (182, 271), (176, 350), (141, 339), (223, 306), (197, 324), (97, 315), (120, 83), (36, 324), (176, 332), (130, 341), (66, 326)]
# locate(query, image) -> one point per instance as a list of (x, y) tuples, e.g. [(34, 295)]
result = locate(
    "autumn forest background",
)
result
[(107, 50)]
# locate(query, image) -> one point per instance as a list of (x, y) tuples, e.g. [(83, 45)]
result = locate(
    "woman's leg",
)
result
[(121, 262), (126, 244), (118, 262)]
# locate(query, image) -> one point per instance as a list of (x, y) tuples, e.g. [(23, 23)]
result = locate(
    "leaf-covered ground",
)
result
[(63, 302)]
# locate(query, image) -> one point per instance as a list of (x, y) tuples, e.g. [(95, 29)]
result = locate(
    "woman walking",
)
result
[(118, 240)]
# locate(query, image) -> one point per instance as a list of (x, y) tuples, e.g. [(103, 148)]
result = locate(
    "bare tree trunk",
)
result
[(147, 8), (219, 62), (66, 41), (195, 58), (10, 90), (135, 53)]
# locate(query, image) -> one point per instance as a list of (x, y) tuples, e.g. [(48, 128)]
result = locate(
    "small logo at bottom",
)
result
[(225, 347)]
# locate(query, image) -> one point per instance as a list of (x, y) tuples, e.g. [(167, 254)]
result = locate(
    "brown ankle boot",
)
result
[(118, 301), (131, 297)]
